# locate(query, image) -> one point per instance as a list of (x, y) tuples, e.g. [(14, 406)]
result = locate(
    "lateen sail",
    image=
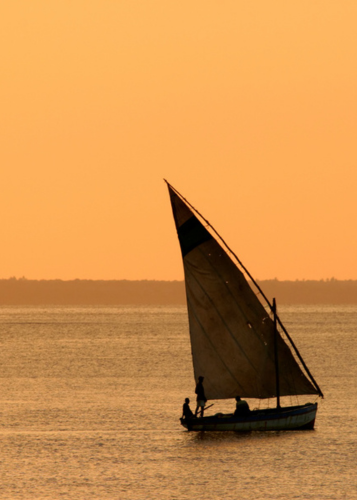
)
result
[(232, 335)]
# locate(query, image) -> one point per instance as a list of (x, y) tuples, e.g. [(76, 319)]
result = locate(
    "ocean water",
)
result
[(90, 400)]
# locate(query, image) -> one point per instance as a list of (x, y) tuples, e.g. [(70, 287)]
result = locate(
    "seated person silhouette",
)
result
[(242, 407), (186, 410)]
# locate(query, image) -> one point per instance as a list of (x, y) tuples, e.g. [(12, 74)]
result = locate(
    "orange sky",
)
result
[(248, 108)]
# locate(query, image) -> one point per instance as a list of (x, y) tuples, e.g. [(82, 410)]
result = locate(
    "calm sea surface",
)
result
[(90, 400)]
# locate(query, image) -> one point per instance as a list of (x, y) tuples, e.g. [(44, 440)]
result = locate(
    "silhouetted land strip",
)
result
[(89, 292)]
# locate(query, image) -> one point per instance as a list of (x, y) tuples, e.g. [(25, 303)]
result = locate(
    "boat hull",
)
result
[(284, 419)]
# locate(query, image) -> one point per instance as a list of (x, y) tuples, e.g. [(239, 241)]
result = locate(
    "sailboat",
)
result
[(239, 344)]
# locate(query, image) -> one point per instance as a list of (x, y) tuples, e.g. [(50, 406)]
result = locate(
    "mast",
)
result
[(276, 357)]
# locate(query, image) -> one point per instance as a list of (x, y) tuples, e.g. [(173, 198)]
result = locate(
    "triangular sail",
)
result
[(232, 335)]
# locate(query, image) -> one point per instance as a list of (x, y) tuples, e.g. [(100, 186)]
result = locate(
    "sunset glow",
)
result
[(247, 108)]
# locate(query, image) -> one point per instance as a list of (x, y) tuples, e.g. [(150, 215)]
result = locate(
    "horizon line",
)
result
[(23, 278)]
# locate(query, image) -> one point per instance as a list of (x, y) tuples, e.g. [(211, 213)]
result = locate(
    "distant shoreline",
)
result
[(120, 292)]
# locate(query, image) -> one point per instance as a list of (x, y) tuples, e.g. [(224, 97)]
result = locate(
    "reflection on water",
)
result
[(91, 399)]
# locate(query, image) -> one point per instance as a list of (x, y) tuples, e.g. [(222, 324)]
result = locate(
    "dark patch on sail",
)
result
[(191, 234)]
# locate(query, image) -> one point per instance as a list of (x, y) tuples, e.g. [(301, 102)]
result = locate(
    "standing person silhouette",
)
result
[(201, 398)]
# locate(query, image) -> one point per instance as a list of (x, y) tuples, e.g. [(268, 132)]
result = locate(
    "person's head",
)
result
[(200, 379), (237, 398), (187, 400)]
